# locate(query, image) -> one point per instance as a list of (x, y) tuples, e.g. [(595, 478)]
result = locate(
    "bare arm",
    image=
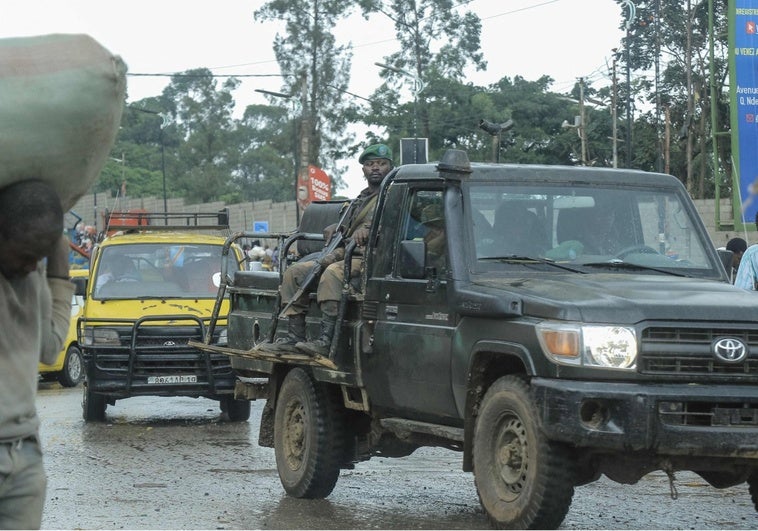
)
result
[(61, 290)]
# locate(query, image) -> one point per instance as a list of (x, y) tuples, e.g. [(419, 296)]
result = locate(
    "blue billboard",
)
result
[(743, 40)]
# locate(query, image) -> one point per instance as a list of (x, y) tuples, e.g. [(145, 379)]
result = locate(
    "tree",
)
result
[(136, 163), (436, 43), (317, 71), (265, 167), (672, 36), (202, 117)]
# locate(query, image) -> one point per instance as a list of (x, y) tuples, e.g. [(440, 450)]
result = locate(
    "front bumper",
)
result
[(668, 419), (121, 374)]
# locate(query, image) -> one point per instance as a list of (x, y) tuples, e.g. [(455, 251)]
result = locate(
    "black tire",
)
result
[(752, 483), (308, 438), (73, 368), (93, 406), (236, 410), (524, 481)]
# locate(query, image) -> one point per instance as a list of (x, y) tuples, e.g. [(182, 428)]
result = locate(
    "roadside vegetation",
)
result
[(662, 108)]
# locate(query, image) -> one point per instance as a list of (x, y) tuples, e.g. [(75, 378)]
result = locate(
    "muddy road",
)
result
[(175, 463)]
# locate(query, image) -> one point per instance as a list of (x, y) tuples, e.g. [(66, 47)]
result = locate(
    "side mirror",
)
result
[(411, 260), (80, 285)]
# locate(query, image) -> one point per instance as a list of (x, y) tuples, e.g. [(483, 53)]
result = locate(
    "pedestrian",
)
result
[(738, 246), (747, 272), (376, 163), (35, 311)]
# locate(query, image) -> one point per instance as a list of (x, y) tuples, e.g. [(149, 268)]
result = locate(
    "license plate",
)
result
[(172, 379)]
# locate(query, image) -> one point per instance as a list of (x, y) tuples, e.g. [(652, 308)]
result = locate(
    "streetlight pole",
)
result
[(165, 121), (496, 130), (418, 86)]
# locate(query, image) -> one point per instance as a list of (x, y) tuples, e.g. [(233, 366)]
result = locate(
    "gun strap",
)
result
[(366, 209)]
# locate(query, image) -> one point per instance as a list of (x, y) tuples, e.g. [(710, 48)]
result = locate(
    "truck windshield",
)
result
[(159, 270), (575, 225)]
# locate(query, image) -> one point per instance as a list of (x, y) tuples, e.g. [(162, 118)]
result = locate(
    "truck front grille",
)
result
[(687, 352), (160, 351)]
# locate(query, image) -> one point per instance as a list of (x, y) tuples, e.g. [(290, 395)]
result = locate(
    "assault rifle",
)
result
[(334, 242)]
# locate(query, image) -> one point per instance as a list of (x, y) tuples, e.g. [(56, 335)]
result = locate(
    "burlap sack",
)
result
[(61, 98)]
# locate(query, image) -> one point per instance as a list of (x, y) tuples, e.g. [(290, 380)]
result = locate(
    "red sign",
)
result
[(313, 184)]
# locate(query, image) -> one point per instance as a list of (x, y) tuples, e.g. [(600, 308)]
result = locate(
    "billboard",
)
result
[(743, 57), (313, 184)]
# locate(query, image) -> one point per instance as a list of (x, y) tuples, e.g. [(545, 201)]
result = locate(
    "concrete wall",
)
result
[(707, 210), (281, 217)]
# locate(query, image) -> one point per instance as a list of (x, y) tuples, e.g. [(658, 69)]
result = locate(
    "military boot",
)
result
[(321, 345), (286, 343)]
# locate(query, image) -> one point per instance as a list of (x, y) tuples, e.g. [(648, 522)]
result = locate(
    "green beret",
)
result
[(376, 151)]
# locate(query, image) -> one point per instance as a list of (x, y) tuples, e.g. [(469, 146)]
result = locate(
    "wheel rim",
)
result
[(75, 367), (294, 439), (512, 455)]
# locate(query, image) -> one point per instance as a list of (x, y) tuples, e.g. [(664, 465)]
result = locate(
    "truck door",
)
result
[(407, 367)]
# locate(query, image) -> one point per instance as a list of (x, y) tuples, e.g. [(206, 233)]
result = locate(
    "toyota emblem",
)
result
[(730, 349)]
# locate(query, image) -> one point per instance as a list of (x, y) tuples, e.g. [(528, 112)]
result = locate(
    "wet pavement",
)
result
[(171, 463)]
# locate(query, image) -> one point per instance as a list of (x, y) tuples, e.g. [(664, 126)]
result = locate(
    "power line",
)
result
[(372, 43), (204, 75)]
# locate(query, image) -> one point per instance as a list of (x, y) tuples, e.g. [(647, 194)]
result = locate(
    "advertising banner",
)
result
[(743, 41), (313, 185)]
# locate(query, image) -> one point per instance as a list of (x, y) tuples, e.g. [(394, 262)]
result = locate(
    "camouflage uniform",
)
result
[(330, 283)]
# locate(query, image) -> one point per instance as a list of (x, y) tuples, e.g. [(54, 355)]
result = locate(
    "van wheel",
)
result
[(308, 436), (236, 410), (73, 368), (752, 483), (93, 406), (524, 481)]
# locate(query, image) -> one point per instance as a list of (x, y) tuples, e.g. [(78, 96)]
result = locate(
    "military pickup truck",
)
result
[(576, 322)]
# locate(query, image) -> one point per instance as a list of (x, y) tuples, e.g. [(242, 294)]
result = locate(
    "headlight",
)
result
[(100, 336), (611, 347), (222, 338)]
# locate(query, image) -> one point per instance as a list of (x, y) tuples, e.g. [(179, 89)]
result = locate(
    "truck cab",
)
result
[(152, 287), (551, 323)]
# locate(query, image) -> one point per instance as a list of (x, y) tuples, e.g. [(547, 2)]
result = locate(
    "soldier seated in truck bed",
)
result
[(376, 161)]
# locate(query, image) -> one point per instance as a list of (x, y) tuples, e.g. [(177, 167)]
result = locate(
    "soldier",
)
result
[(376, 161)]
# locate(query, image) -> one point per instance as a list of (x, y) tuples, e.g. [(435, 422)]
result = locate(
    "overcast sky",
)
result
[(565, 39)]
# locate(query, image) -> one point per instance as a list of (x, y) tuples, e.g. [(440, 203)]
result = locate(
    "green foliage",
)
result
[(673, 36), (188, 137), (435, 42), (317, 70)]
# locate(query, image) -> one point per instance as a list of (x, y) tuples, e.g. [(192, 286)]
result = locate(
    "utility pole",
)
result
[(627, 53), (582, 122), (165, 122), (305, 143), (657, 22), (614, 114)]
